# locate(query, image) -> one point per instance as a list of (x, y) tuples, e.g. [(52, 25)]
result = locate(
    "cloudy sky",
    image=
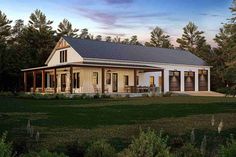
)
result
[(127, 17)]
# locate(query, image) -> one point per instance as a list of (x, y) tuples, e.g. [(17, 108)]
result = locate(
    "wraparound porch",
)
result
[(91, 78)]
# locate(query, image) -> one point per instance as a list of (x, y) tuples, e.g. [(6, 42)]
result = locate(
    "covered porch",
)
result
[(73, 78)]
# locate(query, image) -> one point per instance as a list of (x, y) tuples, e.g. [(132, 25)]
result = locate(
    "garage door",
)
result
[(203, 80), (174, 80), (189, 81)]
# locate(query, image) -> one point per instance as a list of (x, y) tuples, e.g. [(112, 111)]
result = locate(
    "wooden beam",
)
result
[(162, 82), (43, 81), (34, 81), (25, 81), (103, 80), (71, 79), (55, 80), (135, 81)]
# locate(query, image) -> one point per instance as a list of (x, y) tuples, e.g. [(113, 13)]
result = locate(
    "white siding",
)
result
[(72, 56)]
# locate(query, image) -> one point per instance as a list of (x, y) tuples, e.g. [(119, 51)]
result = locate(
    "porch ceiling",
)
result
[(100, 65)]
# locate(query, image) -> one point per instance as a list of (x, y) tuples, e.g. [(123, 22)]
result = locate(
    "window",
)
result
[(76, 79), (108, 78), (137, 80), (52, 82), (95, 77), (126, 80), (63, 56), (151, 81)]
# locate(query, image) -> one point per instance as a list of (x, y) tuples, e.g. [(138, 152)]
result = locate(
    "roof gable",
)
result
[(114, 51)]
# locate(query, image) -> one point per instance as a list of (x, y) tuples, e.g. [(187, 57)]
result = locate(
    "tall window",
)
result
[(52, 82), (126, 80), (63, 56), (95, 77), (76, 79), (108, 78), (151, 81)]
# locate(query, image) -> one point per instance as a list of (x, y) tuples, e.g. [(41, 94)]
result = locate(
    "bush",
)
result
[(227, 91), (229, 150), (188, 150), (5, 148), (148, 144), (44, 153), (100, 148), (167, 94), (6, 94)]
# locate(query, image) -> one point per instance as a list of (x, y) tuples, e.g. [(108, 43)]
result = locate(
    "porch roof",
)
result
[(100, 65)]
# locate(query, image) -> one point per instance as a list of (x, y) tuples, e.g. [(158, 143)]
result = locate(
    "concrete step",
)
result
[(203, 93)]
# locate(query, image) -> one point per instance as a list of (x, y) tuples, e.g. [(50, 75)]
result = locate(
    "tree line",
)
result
[(25, 46)]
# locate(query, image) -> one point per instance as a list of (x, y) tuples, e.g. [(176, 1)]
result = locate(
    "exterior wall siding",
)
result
[(72, 56)]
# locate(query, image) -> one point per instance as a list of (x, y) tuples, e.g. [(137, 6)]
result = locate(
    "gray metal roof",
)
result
[(108, 50)]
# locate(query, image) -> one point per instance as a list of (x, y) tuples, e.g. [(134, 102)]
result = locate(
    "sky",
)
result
[(125, 18)]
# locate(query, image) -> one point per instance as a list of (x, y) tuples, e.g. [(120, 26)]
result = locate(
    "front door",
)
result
[(114, 82), (63, 82)]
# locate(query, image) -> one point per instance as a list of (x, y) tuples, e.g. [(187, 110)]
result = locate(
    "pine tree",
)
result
[(65, 29)]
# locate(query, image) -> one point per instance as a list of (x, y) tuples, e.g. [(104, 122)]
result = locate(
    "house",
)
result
[(87, 66)]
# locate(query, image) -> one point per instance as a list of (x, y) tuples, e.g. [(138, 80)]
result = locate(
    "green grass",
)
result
[(65, 115)]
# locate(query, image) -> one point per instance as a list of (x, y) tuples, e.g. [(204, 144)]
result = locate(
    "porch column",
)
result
[(209, 79), (196, 80), (43, 81), (34, 81), (167, 82), (162, 81), (102, 83), (25, 81), (55, 80), (182, 81), (135, 81), (71, 80)]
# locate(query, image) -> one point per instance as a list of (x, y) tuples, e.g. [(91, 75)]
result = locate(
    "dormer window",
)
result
[(63, 56)]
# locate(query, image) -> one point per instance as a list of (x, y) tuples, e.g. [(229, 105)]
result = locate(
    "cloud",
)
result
[(114, 34), (118, 1), (212, 15)]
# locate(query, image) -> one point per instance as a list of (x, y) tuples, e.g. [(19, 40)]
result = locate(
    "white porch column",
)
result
[(166, 81), (182, 80), (209, 79), (196, 80)]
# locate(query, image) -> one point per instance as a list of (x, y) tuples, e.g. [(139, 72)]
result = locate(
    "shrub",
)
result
[(188, 150), (6, 94), (229, 150), (5, 148), (148, 144), (44, 153), (167, 94), (227, 91), (100, 148)]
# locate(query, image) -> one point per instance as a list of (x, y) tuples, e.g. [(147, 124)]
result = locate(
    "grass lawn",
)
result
[(61, 121)]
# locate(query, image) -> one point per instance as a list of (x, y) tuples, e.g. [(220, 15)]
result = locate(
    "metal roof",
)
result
[(115, 51)]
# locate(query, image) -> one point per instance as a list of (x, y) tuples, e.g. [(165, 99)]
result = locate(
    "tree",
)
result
[(108, 39), (193, 40), (134, 40), (117, 40), (84, 34), (159, 39), (223, 58), (39, 21), (125, 41), (98, 38), (65, 29), (5, 27)]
